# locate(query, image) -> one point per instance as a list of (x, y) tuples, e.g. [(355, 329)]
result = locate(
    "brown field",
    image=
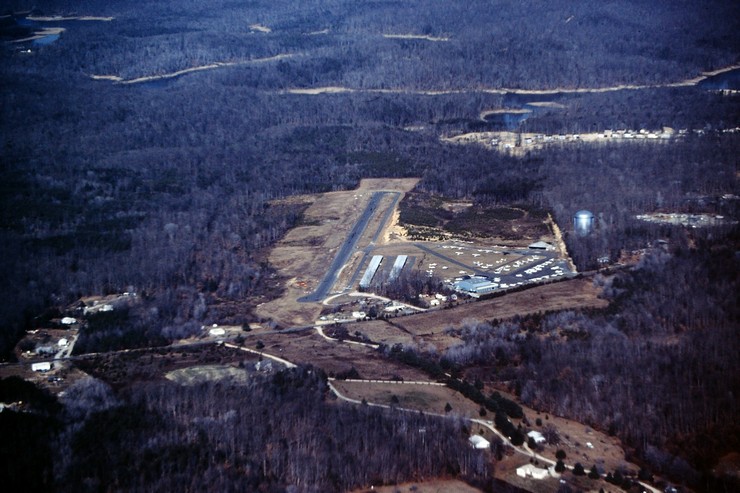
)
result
[(195, 375), (428, 327), (433, 486), (382, 332), (333, 357), (505, 470), (607, 451), (427, 398), (127, 368), (575, 293)]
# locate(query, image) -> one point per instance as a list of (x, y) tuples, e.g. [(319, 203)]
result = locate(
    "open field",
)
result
[(428, 327), (570, 294), (427, 398), (333, 357), (605, 451), (438, 486), (207, 373), (123, 369)]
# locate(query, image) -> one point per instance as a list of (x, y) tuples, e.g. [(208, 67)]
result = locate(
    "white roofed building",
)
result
[(43, 366), (478, 442), (536, 436), (530, 471)]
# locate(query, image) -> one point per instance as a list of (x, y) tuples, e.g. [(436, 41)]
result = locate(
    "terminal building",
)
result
[(475, 286)]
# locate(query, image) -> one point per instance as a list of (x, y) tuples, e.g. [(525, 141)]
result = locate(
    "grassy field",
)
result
[(207, 373), (576, 293), (427, 398), (436, 486), (333, 357), (428, 327)]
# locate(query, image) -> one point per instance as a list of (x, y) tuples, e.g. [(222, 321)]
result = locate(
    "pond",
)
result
[(724, 81), (21, 29), (46, 40)]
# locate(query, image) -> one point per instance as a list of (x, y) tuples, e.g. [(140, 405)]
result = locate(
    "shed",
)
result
[(478, 442)]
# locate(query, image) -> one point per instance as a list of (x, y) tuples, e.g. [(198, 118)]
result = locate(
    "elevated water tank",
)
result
[(583, 222)]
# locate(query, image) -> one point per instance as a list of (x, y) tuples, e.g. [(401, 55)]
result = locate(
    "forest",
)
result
[(664, 349), (166, 188), (220, 437)]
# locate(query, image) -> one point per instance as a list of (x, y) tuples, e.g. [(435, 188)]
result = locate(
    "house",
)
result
[(478, 442), (530, 471), (69, 321), (43, 366), (63, 342), (536, 436)]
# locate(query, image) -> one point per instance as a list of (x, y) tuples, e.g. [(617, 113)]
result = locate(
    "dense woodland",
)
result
[(164, 188), (276, 433), (665, 350)]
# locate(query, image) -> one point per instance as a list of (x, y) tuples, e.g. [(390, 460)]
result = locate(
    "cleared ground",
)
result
[(427, 398), (333, 357), (437, 486), (207, 373), (575, 293), (429, 326)]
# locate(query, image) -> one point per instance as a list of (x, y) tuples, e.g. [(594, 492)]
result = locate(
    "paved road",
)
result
[(523, 450)]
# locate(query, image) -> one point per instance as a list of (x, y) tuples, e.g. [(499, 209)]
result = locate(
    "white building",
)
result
[(478, 442), (43, 366), (475, 285), (530, 471), (536, 436), (69, 321)]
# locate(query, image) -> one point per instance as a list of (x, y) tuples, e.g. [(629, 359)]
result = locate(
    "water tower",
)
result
[(583, 222)]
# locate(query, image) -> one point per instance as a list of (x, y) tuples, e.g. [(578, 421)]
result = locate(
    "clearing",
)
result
[(437, 486), (416, 396)]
